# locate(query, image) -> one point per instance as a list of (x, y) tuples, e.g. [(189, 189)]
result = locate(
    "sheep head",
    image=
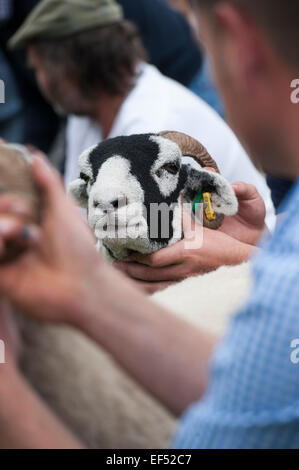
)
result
[(132, 187)]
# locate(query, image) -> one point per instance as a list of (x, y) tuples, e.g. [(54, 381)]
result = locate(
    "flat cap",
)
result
[(53, 19)]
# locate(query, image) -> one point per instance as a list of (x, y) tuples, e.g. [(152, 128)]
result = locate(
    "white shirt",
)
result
[(158, 103)]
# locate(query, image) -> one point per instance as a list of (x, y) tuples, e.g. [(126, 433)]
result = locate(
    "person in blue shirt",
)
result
[(241, 391)]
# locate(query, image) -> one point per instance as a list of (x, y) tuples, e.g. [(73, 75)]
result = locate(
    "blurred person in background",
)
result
[(184, 7), (90, 64), (166, 34), (12, 125), (26, 117), (171, 45), (11, 118), (202, 83)]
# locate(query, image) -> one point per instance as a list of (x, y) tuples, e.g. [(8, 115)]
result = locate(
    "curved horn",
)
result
[(191, 148)]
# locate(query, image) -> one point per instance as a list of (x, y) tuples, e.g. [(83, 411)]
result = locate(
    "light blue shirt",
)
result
[(253, 397)]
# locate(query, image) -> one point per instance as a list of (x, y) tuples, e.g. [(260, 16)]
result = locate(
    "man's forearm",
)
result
[(25, 421), (164, 354)]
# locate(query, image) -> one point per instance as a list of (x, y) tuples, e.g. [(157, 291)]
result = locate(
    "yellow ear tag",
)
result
[(209, 211)]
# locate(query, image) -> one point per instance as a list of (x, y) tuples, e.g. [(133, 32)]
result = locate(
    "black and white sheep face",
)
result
[(131, 187)]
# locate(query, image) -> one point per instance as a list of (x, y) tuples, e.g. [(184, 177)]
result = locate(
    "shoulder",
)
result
[(168, 99), (252, 400), (78, 124), (163, 103), (285, 242), (276, 269), (81, 133), (257, 345)]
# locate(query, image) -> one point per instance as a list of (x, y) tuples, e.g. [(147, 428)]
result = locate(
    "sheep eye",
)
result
[(171, 168), (84, 177)]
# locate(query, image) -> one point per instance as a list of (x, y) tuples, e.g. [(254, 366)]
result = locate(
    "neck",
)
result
[(291, 126), (106, 111), (279, 131)]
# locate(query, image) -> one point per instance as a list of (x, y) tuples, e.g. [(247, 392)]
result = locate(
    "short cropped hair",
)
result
[(278, 18), (101, 59)]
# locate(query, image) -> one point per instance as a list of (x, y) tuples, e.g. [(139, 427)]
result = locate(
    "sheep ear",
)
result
[(223, 198), (78, 189)]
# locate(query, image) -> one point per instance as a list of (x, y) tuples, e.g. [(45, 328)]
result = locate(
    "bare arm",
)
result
[(164, 354)]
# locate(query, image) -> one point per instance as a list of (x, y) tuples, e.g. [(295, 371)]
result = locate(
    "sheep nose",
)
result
[(120, 202), (115, 204)]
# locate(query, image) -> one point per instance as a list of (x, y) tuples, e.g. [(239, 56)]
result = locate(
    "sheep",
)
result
[(125, 181), (211, 300), (80, 382)]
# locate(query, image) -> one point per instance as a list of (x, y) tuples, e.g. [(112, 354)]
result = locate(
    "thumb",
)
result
[(49, 181), (245, 192)]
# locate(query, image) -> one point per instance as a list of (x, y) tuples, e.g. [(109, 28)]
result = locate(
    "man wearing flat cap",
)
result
[(57, 19), (90, 63)]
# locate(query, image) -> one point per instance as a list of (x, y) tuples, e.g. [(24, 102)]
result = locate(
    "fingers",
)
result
[(9, 226), (162, 258), (146, 273), (245, 192), (13, 205), (252, 208), (35, 152), (14, 235), (8, 330), (12, 227), (30, 235), (48, 181), (153, 287)]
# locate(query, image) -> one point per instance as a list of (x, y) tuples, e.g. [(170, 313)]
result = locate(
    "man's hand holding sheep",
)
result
[(61, 278), (132, 188), (233, 243), (61, 274)]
